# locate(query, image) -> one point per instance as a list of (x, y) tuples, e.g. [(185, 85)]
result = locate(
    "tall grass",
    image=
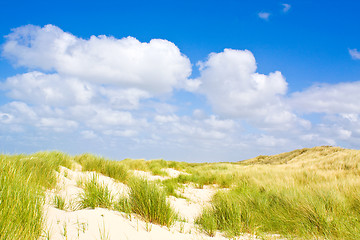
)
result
[(155, 166), (20, 204), (170, 186), (296, 204), (113, 169), (23, 180), (96, 194), (59, 202), (149, 201), (303, 194), (217, 174)]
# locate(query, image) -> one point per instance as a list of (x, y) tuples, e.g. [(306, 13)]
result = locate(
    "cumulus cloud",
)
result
[(235, 90), (354, 53), (119, 98), (121, 133), (49, 89), (110, 117), (336, 109), (286, 7), (92, 83), (270, 141), (19, 112), (120, 93), (6, 118), (209, 128), (264, 15), (341, 98), (156, 67), (88, 134), (57, 124)]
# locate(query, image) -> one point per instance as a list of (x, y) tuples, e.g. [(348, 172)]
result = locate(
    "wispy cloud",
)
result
[(354, 53), (286, 7), (264, 15)]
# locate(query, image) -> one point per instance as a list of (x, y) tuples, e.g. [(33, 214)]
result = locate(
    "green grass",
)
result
[(170, 187), (155, 166), (96, 194), (304, 194), (225, 214), (23, 180), (298, 211), (149, 201), (204, 176), (113, 169), (20, 205), (123, 205), (59, 202)]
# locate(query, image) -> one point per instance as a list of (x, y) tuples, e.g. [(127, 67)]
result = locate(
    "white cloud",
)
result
[(166, 118), (189, 129), (218, 124), (234, 90), (109, 117), (119, 98), (48, 89), (6, 118), (156, 67), (270, 141), (88, 134), (121, 133), (119, 92), (20, 112), (264, 15), (286, 7), (94, 82), (57, 124), (341, 98), (103, 117), (354, 53)]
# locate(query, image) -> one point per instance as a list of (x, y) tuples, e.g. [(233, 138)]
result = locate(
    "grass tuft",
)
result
[(23, 180), (149, 201), (95, 195), (60, 202), (113, 169)]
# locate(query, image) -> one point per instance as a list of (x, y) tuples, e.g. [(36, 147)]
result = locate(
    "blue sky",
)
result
[(180, 80)]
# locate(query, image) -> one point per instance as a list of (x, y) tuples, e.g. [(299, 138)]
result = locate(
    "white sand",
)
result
[(101, 223)]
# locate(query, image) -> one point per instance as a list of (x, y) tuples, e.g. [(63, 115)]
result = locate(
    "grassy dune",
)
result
[(304, 194), (23, 180), (308, 193)]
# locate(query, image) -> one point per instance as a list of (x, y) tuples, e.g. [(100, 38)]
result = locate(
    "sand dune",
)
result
[(102, 223)]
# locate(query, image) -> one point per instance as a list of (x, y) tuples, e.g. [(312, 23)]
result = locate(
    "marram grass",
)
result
[(299, 204), (96, 194), (23, 180), (149, 201), (113, 169), (20, 205), (304, 194)]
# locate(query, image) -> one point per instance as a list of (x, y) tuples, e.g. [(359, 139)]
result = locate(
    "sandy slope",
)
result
[(101, 223)]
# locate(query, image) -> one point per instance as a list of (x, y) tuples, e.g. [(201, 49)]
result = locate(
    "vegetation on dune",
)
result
[(300, 212), (149, 201), (23, 180), (96, 194), (170, 187), (324, 157), (311, 193), (155, 166), (113, 169), (60, 202)]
